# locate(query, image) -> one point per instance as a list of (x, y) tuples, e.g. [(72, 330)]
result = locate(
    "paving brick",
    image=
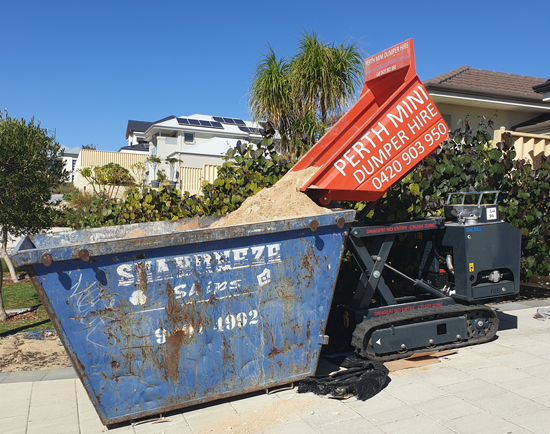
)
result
[(50, 391), (253, 402), (52, 410), (528, 345), (508, 405), (414, 393), (482, 422), (67, 424), (474, 390), (60, 374), (499, 373), (296, 427), (4, 375), (404, 376), (386, 411), (14, 425), (491, 349), (25, 377), (419, 424), (517, 359), (377, 401), (212, 418), (537, 422), (469, 361), (544, 400), (446, 408), (541, 371), (532, 387), (444, 376), (14, 407), (330, 411), (173, 423), (356, 425)]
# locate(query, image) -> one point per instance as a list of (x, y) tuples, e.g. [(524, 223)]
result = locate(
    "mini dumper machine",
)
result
[(467, 258), (163, 315)]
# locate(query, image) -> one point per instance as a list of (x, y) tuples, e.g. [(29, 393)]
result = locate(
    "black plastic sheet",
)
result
[(362, 378)]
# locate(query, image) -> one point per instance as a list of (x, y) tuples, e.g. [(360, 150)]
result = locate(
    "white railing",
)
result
[(191, 178), (528, 146)]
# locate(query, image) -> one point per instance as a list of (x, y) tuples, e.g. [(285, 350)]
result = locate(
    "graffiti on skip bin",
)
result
[(204, 263)]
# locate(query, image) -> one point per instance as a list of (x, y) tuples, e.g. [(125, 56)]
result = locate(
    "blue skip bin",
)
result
[(157, 316)]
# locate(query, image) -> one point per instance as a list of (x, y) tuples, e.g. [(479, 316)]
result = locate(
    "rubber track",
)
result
[(366, 327)]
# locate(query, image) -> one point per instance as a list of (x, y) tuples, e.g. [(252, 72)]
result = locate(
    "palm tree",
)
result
[(269, 95), (299, 95), (325, 77)]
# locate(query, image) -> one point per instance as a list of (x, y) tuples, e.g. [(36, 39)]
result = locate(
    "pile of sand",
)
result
[(283, 200)]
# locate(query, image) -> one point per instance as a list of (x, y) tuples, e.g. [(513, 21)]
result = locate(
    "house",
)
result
[(194, 142), (70, 156), (477, 92), (135, 136)]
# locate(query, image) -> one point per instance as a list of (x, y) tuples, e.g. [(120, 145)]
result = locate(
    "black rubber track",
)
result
[(364, 330)]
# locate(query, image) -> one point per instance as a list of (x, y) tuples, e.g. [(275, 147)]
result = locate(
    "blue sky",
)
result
[(86, 68)]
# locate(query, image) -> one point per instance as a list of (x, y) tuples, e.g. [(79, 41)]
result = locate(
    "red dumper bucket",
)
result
[(393, 126)]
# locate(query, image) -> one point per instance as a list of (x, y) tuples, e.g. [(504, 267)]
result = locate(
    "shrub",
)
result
[(247, 170)]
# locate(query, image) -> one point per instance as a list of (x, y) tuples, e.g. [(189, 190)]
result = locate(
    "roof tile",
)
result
[(467, 79)]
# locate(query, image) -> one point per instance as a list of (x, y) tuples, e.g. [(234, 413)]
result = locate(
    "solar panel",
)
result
[(248, 130), (200, 122), (217, 118), (239, 122)]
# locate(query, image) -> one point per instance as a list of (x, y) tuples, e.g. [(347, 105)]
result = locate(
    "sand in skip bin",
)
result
[(283, 200)]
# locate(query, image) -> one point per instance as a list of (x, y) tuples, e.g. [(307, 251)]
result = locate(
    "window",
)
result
[(447, 119), (74, 164), (189, 137)]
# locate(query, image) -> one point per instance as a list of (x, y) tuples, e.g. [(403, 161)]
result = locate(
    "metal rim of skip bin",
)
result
[(27, 253)]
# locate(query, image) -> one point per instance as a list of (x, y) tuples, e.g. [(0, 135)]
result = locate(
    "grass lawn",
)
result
[(20, 271), (19, 295)]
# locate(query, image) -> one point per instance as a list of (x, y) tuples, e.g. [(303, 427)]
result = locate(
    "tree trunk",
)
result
[(5, 254), (3, 314)]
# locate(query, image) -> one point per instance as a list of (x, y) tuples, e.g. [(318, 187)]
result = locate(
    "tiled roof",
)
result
[(137, 126), (540, 122), (480, 82), (140, 147)]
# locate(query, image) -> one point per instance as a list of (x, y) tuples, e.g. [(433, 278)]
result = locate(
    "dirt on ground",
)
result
[(32, 352)]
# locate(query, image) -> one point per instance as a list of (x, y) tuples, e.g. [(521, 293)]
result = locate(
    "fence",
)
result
[(528, 146), (191, 178), (92, 158)]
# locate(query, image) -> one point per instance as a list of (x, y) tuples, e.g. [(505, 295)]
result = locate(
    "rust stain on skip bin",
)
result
[(173, 318)]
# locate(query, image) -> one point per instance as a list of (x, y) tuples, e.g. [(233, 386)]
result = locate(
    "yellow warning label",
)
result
[(471, 267)]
